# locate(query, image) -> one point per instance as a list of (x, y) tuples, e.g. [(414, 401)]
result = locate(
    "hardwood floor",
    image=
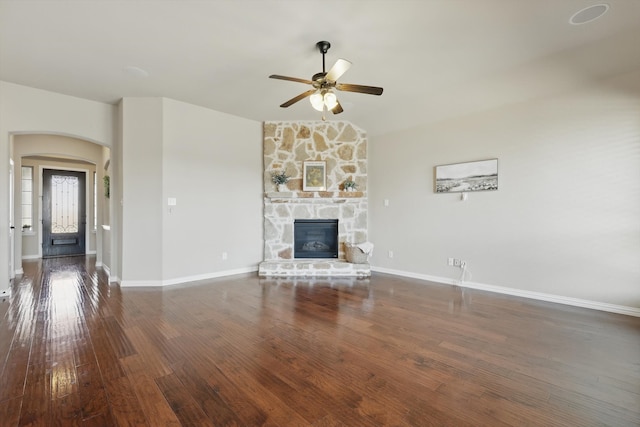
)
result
[(241, 351)]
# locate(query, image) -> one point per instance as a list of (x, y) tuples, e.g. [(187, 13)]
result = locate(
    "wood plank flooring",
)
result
[(241, 351)]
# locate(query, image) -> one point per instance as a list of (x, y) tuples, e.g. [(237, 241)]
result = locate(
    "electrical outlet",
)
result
[(390, 254), (224, 255), (450, 262), (456, 262)]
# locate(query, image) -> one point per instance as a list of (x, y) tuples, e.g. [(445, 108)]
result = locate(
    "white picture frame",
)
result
[(314, 176), (480, 175)]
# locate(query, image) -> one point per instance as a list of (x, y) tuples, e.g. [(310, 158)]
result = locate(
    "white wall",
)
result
[(28, 110), (212, 166), (210, 163), (565, 220), (141, 190)]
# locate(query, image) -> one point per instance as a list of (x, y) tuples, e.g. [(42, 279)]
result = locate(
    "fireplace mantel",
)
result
[(314, 197)]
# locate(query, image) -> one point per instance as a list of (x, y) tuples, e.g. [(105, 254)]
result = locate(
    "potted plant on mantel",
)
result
[(280, 179), (350, 185)]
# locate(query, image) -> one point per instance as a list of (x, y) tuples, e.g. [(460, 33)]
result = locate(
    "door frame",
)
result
[(87, 193), (12, 222)]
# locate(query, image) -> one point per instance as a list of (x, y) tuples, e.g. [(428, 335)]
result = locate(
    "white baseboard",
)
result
[(186, 279), (19, 271), (30, 256), (140, 283), (107, 270), (576, 302)]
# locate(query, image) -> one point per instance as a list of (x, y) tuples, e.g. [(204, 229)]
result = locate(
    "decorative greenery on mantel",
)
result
[(350, 185), (279, 177)]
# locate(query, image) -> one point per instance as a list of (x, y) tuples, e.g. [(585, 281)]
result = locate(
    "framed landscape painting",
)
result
[(314, 176), (481, 175)]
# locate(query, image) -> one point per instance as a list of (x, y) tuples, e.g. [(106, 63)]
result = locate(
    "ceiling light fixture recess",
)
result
[(588, 14)]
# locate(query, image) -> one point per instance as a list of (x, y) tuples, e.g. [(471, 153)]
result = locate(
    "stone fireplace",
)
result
[(344, 149)]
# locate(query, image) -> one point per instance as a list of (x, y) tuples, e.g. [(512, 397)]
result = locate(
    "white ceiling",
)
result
[(434, 58)]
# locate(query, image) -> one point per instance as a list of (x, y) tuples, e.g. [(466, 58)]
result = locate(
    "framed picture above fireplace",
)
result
[(314, 176)]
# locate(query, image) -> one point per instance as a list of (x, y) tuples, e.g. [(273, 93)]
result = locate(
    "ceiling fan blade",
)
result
[(338, 69), (371, 90), (298, 98), (337, 109), (291, 79)]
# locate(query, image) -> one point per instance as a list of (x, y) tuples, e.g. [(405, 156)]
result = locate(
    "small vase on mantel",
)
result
[(280, 178), (349, 185)]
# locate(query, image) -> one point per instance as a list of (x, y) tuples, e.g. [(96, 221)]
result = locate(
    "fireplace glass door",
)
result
[(315, 238)]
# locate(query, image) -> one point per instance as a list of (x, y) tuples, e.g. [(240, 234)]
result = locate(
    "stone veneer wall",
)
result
[(286, 146)]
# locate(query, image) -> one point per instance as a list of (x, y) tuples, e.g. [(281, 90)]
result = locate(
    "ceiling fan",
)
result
[(322, 95)]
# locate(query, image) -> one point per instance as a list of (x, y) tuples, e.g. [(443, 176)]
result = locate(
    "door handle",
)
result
[(12, 227)]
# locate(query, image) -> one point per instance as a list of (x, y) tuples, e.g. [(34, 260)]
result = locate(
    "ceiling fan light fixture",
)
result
[(317, 101), (330, 100), (324, 98)]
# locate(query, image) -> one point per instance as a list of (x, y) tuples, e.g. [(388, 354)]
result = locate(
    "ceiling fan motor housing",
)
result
[(319, 81)]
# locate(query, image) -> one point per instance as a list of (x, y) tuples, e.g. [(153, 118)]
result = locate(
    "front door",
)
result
[(63, 213)]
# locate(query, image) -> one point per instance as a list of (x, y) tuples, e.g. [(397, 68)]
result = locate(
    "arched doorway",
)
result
[(36, 153)]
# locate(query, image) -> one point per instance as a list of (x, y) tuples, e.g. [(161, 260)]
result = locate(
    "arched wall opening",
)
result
[(47, 150)]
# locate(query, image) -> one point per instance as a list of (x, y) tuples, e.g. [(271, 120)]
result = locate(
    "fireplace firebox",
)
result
[(315, 238)]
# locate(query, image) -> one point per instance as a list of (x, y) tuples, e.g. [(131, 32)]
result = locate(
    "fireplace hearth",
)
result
[(315, 238)]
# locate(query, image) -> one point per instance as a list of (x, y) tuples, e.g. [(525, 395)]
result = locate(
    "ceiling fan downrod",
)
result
[(323, 46)]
